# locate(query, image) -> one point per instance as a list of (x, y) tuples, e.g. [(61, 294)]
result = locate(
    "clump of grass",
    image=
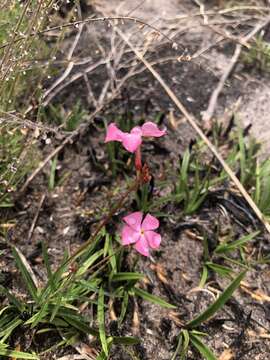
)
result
[(93, 281), (21, 51), (258, 56), (18, 156), (67, 120)]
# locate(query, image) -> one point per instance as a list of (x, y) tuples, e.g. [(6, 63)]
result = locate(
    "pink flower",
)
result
[(140, 232), (132, 141)]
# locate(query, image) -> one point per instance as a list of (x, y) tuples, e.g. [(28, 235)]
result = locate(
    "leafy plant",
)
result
[(258, 55), (68, 120), (192, 185)]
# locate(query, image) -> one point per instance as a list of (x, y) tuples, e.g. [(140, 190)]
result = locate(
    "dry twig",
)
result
[(208, 114)]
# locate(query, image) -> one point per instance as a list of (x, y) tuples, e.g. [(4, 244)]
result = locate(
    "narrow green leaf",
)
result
[(124, 307), (152, 298), (223, 248), (8, 328), (112, 258), (102, 355), (126, 340), (18, 354), (29, 282), (56, 307), (127, 276), (203, 277), (55, 280), (36, 318), (11, 298), (202, 348), (178, 347), (185, 344), (220, 269), (89, 262), (218, 304), (101, 321), (78, 323), (106, 245)]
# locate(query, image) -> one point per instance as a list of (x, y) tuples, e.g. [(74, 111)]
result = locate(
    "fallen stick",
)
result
[(194, 125)]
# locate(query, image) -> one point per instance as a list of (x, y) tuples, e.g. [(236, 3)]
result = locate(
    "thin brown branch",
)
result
[(91, 19), (208, 114)]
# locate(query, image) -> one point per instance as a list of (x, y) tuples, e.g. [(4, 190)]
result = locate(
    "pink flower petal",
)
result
[(134, 220), (150, 223), (132, 141), (153, 238), (129, 235), (114, 134), (150, 129), (136, 130), (142, 246)]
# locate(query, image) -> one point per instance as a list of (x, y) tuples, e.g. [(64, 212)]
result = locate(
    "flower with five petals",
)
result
[(139, 232)]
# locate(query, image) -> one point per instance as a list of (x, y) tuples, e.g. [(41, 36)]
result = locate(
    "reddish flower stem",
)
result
[(138, 159)]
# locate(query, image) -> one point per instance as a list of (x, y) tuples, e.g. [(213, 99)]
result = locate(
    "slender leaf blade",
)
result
[(29, 282), (127, 276), (202, 348), (218, 304), (101, 322), (18, 354), (224, 248), (152, 298)]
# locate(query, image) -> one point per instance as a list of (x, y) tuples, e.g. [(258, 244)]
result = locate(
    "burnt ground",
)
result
[(85, 190)]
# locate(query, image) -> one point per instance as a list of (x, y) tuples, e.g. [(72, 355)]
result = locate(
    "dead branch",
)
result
[(208, 114)]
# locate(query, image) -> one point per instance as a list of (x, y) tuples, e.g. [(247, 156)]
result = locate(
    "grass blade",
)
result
[(101, 321), (178, 347), (17, 354), (223, 248), (89, 262), (202, 348), (182, 345), (26, 274), (152, 298), (127, 276), (218, 304), (186, 339), (126, 340), (11, 298), (203, 277), (219, 269), (124, 307)]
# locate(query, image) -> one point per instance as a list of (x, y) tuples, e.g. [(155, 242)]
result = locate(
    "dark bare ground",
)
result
[(71, 210)]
